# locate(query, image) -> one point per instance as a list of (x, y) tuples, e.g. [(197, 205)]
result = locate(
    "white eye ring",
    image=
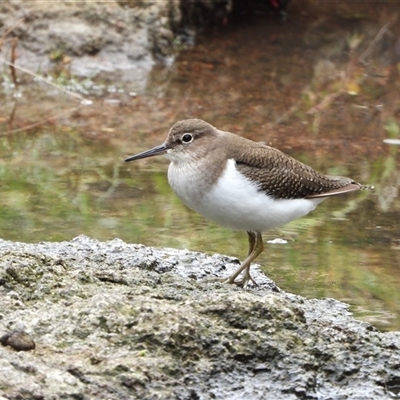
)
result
[(187, 138)]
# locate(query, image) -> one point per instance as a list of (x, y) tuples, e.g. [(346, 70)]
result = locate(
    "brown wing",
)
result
[(283, 177)]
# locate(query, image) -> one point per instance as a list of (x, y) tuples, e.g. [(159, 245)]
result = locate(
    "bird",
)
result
[(242, 184)]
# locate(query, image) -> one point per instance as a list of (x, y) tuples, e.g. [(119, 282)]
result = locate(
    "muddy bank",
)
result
[(117, 321)]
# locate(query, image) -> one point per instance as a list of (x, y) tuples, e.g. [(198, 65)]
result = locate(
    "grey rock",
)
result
[(94, 37), (123, 321)]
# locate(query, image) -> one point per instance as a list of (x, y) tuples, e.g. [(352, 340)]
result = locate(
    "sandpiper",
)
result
[(241, 184)]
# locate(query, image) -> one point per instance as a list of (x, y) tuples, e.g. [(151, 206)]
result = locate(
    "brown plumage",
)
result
[(283, 177)]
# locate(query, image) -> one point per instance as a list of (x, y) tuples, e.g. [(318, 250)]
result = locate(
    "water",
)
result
[(295, 86)]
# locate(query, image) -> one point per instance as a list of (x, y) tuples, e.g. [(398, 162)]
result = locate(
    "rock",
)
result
[(18, 340), (95, 36), (126, 321)]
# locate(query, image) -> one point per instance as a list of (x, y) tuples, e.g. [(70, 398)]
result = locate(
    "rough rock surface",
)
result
[(118, 321), (91, 36)]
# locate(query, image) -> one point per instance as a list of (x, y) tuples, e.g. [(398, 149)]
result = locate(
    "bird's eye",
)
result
[(187, 138)]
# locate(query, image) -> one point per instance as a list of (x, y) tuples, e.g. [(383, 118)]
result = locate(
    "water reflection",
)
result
[(347, 249), (296, 86)]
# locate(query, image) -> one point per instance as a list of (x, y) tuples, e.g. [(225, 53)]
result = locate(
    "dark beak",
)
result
[(155, 151)]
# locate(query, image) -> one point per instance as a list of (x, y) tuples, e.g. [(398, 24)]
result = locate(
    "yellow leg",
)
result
[(256, 247)]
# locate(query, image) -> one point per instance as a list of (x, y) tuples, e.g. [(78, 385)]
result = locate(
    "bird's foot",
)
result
[(242, 282)]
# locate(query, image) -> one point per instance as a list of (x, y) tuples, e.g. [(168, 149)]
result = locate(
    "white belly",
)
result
[(234, 201)]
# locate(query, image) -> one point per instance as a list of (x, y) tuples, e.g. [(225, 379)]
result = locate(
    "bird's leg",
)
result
[(252, 242), (256, 246)]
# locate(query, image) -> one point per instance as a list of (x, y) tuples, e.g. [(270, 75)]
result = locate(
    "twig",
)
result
[(27, 71), (375, 40), (293, 108), (11, 29), (13, 58), (326, 101), (11, 118), (41, 122)]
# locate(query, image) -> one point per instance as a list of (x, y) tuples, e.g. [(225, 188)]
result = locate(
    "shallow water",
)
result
[(294, 85)]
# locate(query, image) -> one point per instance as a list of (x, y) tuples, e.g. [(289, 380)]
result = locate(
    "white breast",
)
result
[(234, 201)]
